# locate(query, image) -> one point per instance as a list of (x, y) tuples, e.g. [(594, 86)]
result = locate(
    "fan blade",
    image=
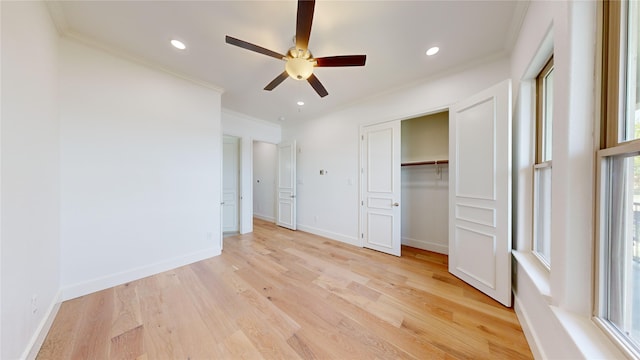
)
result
[(303, 23), (317, 85), (275, 82), (252, 47), (344, 60)]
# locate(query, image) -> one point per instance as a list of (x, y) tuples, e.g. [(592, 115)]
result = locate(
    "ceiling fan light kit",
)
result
[(299, 69), (299, 62)]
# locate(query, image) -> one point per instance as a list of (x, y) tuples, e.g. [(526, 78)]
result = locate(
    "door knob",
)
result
[(222, 203), (396, 204)]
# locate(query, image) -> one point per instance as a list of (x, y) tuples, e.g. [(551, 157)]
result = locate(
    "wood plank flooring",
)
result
[(280, 294)]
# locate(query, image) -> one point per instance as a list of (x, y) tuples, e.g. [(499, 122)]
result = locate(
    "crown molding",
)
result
[(58, 16), (516, 24), (243, 116)]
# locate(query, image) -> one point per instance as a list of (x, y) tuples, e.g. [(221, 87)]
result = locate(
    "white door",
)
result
[(230, 180), (380, 174), (480, 191), (286, 193)]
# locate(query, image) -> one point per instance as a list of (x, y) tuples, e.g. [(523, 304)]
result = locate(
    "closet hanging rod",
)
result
[(432, 162)]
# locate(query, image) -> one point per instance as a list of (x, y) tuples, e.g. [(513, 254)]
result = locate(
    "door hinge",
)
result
[(362, 235), (362, 203), (362, 137)]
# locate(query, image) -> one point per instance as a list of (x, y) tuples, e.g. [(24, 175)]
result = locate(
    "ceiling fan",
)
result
[(299, 60)]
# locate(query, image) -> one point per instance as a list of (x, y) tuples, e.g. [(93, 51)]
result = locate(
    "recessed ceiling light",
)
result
[(178, 44), (300, 103), (281, 118), (432, 51)]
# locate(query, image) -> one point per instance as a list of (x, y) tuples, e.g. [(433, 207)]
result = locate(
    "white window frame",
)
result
[(613, 110), (631, 148), (542, 163)]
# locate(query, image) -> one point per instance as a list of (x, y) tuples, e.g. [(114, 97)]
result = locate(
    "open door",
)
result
[(286, 194), (480, 191), (380, 174)]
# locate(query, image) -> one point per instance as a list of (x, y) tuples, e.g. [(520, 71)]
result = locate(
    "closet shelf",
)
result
[(432, 162)]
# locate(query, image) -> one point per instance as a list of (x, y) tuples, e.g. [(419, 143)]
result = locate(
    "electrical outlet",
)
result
[(34, 304)]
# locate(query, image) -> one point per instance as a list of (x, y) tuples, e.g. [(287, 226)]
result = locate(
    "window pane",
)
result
[(632, 116), (634, 47), (542, 216), (547, 121), (623, 267)]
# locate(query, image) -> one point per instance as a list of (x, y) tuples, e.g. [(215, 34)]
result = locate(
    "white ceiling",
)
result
[(393, 34)]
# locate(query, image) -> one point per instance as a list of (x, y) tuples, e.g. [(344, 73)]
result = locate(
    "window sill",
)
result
[(588, 337), (538, 274)]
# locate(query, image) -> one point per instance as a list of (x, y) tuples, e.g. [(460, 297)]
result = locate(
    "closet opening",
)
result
[(425, 182)]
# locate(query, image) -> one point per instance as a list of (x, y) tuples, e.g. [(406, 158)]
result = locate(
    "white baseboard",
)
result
[(426, 245), (529, 333), (42, 330), (88, 287), (331, 235), (265, 217)]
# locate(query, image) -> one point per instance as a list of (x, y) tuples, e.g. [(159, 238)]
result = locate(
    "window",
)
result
[(618, 306), (542, 167)]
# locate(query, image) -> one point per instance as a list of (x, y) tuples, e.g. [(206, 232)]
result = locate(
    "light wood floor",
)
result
[(282, 294)]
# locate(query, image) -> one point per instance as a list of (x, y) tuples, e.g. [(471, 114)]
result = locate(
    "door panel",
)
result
[(286, 216), (475, 146), (230, 184), (381, 187), (477, 244), (380, 161), (480, 191), (380, 230)]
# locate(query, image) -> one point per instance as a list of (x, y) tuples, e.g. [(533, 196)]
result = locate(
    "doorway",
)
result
[(425, 182), (265, 162)]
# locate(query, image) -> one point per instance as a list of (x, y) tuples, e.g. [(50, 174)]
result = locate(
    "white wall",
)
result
[(425, 207), (555, 307), (425, 138), (248, 129), (328, 204), (265, 162), (140, 170), (29, 207)]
